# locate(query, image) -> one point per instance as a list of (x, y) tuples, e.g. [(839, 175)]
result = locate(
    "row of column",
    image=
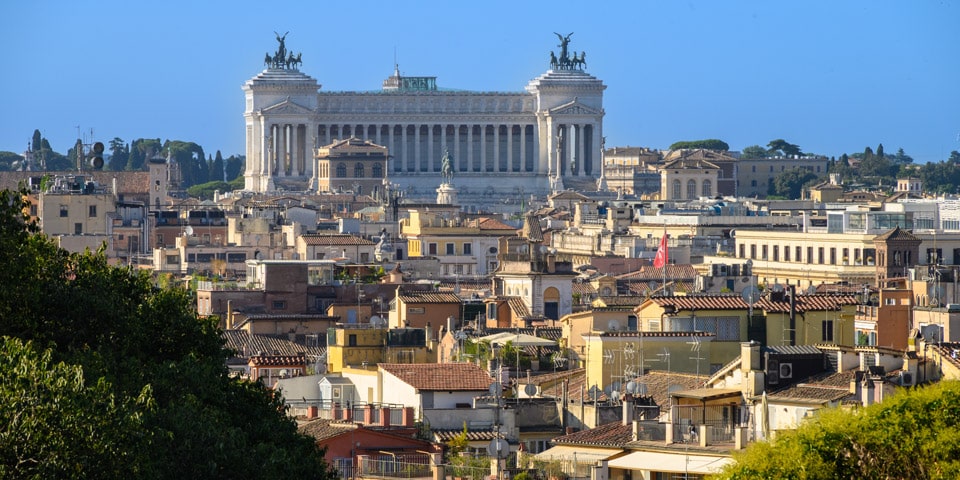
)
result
[(572, 145), (284, 150), (472, 148)]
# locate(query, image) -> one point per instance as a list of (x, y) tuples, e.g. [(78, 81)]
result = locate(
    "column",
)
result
[(295, 146), (597, 142), (581, 144), (403, 149), (523, 148), (483, 148), (509, 148), (430, 153), (469, 147), (417, 161), (264, 147), (377, 135), (496, 148)]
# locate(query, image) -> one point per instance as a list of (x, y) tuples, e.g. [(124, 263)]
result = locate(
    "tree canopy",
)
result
[(123, 375), (783, 148), (913, 435), (709, 144), (754, 151)]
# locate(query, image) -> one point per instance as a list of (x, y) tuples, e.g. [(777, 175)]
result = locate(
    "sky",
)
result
[(832, 77)]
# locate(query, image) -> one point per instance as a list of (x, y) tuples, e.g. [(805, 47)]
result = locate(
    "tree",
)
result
[(915, 434), (754, 151), (37, 142), (118, 155), (783, 148), (217, 172), (880, 151), (709, 144), (901, 158), (146, 352), (234, 167), (789, 184), (872, 165)]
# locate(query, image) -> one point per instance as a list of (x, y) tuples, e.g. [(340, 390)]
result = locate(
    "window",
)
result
[(432, 248), (753, 183), (691, 189), (786, 254), (707, 188), (64, 211), (341, 170), (352, 340), (753, 168), (763, 252), (820, 255), (776, 253), (833, 256), (468, 249), (92, 211), (799, 253), (279, 305), (676, 190), (358, 170), (77, 228), (753, 252), (827, 326), (377, 170), (451, 249), (159, 239)]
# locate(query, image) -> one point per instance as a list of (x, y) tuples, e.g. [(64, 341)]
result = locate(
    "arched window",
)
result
[(377, 170), (691, 189), (707, 188), (676, 190), (358, 170), (341, 170)]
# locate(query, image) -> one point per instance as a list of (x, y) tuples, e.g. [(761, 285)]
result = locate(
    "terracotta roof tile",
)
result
[(613, 434), (649, 272), (429, 297), (334, 239), (440, 376), (804, 303)]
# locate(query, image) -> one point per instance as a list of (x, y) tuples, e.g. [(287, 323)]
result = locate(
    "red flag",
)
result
[(662, 258)]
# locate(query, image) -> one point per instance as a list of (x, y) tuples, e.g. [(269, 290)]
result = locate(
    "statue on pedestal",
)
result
[(446, 167)]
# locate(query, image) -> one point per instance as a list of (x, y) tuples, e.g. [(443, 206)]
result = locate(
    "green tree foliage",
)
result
[(217, 172), (204, 191), (119, 153), (147, 363), (59, 425), (940, 177), (914, 435), (8, 159), (783, 148), (789, 184), (37, 142), (234, 167), (709, 144), (876, 166), (192, 161), (901, 158), (754, 151), (141, 150)]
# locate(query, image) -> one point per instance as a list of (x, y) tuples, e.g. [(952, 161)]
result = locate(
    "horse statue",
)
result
[(446, 167), (583, 60), (297, 61), (290, 60), (267, 60), (553, 61)]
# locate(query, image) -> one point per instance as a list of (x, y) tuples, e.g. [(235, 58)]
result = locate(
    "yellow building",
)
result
[(464, 245), (364, 346)]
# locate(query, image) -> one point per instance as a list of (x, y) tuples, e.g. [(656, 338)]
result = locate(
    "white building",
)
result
[(533, 141)]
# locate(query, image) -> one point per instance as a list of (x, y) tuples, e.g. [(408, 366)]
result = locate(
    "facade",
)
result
[(352, 164), (533, 140), (688, 178), (464, 246), (755, 175)]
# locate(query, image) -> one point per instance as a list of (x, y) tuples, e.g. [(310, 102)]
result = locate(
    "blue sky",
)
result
[(832, 77)]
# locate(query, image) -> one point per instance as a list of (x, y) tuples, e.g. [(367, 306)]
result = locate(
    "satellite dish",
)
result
[(631, 387), (615, 386), (652, 285), (188, 230), (376, 321), (498, 448), (615, 395), (777, 287), (613, 325), (608, 390), (751, 295), (530, 389)]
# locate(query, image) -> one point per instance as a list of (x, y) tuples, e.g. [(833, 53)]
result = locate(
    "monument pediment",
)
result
[(574, 108), (287, 107)]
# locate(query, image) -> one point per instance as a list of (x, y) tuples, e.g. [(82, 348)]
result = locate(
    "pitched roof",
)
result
[(322, 429), (613, 434), (323, 239), (649, 272), (440, 376), (429, 297), (804, 303), (898, 234), (487, 223), (247, 344)]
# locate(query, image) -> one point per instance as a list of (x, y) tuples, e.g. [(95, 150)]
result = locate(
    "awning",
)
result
[(577, 454), (678, 462)]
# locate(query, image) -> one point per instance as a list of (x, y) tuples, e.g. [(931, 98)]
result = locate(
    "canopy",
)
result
[(518, 340), (577, 453), (678, 462)]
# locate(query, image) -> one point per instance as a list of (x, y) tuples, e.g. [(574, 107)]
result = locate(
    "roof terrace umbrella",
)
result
[(518, 340)]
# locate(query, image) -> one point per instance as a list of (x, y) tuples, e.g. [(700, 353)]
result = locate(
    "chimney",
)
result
[(229, 321), (628, 409)]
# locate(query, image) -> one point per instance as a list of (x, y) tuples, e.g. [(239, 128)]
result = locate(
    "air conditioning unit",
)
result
[(773, 372), (906, 379), (786, 370)]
